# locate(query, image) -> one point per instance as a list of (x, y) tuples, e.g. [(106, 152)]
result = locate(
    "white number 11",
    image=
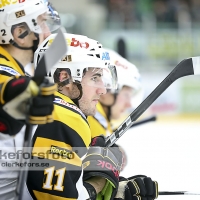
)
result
[(50, 173)]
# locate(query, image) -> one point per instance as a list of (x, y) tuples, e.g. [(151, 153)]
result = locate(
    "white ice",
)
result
[(168, 153)]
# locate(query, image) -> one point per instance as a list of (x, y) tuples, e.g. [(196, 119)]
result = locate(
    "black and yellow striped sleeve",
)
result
[(9, 66)]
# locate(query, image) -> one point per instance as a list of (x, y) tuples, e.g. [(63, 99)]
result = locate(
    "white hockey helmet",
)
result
[(36, 14), (128, 75), (83, 53)]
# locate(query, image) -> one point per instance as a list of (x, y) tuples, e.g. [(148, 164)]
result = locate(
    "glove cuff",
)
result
[(91, 190), (106, 153), (16, 85), (9, 125)]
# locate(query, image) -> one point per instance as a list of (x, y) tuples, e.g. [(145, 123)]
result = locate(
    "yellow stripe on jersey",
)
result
[(72, 118), (44, 145), (96, 124), (41, 195), (11, 63)]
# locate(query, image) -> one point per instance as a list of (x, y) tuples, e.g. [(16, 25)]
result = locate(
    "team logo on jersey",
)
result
[(64, 153)]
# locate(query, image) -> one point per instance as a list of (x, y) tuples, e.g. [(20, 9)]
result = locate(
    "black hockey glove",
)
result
[(16, 95), (137, 187), (103, 162)]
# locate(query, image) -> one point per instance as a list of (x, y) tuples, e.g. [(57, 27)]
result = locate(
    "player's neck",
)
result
[(23, 56)]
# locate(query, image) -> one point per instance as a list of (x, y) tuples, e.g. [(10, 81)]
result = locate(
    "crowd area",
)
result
[(131, 12)]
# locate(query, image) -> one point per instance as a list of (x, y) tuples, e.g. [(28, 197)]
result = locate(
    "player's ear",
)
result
[(17, 32)]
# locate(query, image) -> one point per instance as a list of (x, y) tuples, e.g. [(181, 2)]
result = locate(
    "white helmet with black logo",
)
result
[(37, 16), (83, 53)]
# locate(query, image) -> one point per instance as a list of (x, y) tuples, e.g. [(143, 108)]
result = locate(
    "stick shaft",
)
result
[(143, 121), (178, 193), (184, 68)]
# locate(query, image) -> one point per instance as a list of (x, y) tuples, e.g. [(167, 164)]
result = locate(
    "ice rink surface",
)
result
[(168, 152)]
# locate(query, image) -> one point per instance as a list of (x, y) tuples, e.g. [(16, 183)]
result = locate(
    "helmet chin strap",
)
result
[(79, 86), (23, 35)]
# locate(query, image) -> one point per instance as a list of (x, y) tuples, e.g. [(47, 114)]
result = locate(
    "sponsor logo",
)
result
[(62, 152), (20, 13), (105, 56), (67, 58), (62, 102), (107, 165), (4, 3), (43, 50), (9, 70), (73, 42), (85, 164), (118, 64)]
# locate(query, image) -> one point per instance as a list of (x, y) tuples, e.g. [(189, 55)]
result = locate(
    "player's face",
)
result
[(93, 88), (123, 102)]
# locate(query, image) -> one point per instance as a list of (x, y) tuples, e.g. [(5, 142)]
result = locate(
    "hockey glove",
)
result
[(104, 162), (16, 94), (137, 187)]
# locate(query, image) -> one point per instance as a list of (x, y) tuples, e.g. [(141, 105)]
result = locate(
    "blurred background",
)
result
[(158, 34)]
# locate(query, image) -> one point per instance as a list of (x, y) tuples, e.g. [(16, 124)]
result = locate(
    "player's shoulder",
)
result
[(64, 106)]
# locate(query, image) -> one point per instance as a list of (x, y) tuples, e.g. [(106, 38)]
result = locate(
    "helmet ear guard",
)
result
[(56, 76)]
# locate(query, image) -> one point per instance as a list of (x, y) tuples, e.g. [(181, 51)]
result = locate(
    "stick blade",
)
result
[(196, 65), (54, 53)]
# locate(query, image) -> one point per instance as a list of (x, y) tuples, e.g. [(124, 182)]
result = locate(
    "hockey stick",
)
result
[(179, 193), (189, 66), (54, 53), (143, 121)]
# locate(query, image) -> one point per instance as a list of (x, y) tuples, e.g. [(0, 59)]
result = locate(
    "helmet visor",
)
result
[(48, 21), (100, 77)]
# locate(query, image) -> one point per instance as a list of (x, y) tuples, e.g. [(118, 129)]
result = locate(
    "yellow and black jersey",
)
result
[(9, 66), (59, 146), (99, 124)]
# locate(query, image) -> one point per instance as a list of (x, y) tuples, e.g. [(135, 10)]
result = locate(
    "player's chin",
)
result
[(95, 102), (91, 112)]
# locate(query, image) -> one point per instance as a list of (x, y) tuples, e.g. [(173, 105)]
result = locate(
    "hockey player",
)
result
[(83, 75), (115, 103), (23, 24)]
